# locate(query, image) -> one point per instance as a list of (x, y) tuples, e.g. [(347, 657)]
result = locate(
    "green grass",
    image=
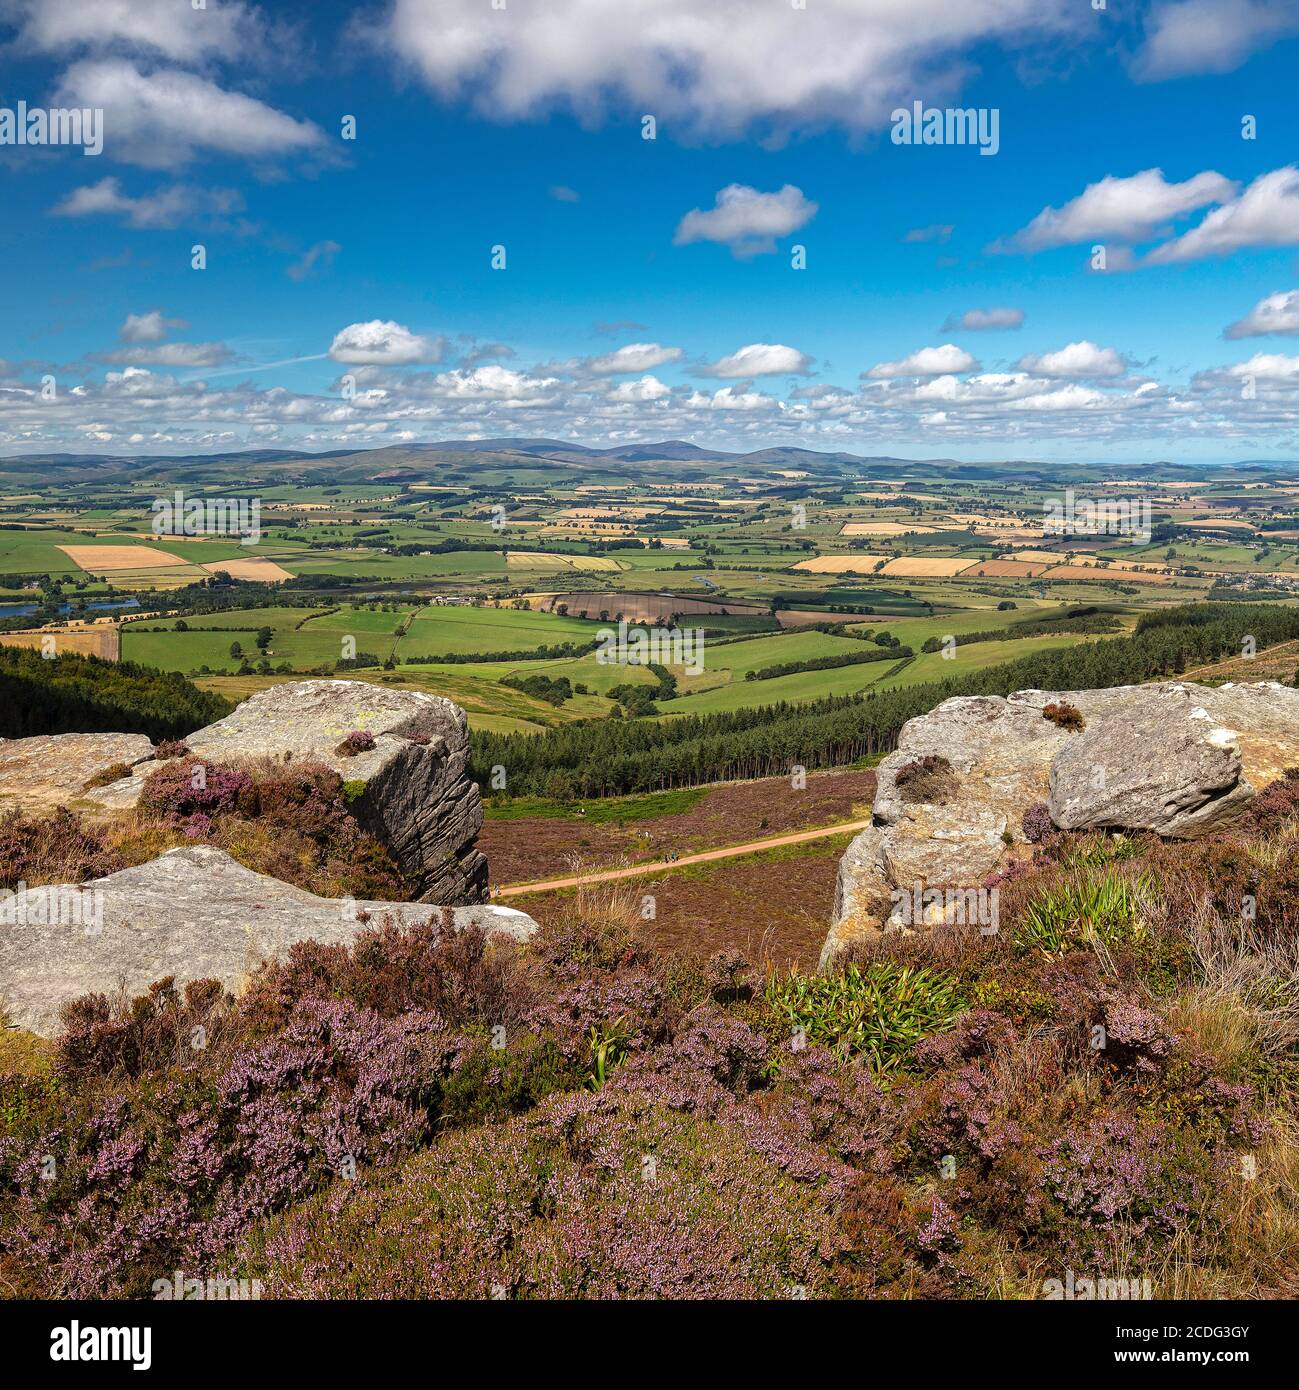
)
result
[(1082, 911), (875, 1015)]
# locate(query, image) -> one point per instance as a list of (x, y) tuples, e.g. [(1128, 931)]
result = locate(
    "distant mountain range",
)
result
[(494, 461)]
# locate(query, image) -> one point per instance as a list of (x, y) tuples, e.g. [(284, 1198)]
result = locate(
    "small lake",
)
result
[(22, 610)]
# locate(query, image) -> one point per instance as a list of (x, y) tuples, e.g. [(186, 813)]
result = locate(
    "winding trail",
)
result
[(659, 866)]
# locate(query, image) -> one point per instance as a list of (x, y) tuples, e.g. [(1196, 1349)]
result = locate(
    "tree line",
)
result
[(615, 757)]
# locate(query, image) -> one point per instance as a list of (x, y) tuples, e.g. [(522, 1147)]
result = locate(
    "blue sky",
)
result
[(649, 289)]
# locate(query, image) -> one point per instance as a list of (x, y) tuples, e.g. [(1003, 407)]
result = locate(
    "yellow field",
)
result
[(926, 567), (1006, 569), (840, 564), (541, 560), (265, 571), (104, 558), (885, 528)]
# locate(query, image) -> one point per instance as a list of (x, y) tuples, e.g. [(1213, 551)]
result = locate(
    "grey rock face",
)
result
[(51, 770), (1176, 758), (193, 913), (414, 793), (1164, 765)]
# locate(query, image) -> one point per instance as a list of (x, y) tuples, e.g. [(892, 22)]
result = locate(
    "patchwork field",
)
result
[(106, 559)]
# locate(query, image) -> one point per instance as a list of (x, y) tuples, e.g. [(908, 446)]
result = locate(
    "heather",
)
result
[(289, 820), (1105, 1084)]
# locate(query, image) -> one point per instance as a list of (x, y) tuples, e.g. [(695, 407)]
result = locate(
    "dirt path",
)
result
[(666, 865)]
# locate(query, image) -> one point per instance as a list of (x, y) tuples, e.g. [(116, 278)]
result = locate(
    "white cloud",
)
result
[(745, 220), (164, 207), (1277, 313), (174, 28), (494, 383), (635, 357), (760, 359), (1079, 361), (715, 66), (1267, 366), (648, 388), (382, 343), (977, 320), (164, 118), (172, 355), (930, 361), (148, 327), (1122, 209), (1265, 214), (1193, 36)]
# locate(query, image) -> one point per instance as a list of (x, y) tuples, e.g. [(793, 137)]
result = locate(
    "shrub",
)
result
[(358, 741), (876, 1014), (1036, 823), (171, 748), (926, 780), (114, 772), (1065, 716)]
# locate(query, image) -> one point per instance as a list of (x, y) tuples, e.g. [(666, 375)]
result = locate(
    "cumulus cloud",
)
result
[(1192, 36), (648, 388), (1265, 214), (930, 361), (1267, 366), (714, 67), (1081, 361), (760, 359), (165, 118), (635, 357), (172, 28), (164, 207), (382, 343), (1120, 209), (747, 221), (149, 327), (561, 193), (501, 384), (978, 320), (1277, 313)]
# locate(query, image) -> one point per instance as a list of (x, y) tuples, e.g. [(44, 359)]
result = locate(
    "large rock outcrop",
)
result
[(410, 789), (1175, 758), (48, 770), (193, 913)]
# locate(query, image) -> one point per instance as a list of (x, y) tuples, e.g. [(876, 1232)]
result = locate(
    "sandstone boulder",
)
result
[(1176, 758), (1163, 765), (410, 788), (48, 770), (193, 913)]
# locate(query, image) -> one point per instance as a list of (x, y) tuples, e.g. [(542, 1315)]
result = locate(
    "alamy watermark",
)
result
[(934, 125), (55, 125), (1109, 516), (1085, 1287), (644, 646), (60, 905), (919, 906), (179, 515), (213, 1289)]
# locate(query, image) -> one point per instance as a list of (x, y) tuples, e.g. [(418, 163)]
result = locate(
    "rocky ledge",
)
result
[(1178, 759), (406, 776), (193, 913)]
